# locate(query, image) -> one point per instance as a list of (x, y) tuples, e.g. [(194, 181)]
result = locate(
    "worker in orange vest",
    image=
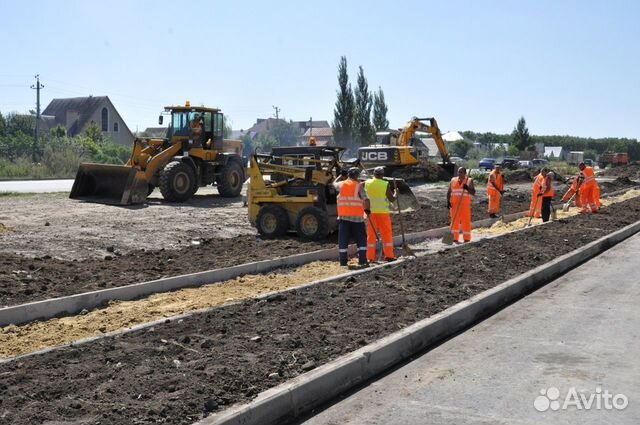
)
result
[(546, 193), (590, 191), (380, 197), (495, 190), (459, 200), (353, 204), (574, 190), (535, 207), (197, 123)]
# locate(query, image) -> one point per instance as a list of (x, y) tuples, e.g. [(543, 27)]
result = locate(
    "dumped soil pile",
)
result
[(617, 184), (631, 171), (177, 372), (520, 176)]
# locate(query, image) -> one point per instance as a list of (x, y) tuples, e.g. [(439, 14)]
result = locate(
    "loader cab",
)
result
[(197, 124)]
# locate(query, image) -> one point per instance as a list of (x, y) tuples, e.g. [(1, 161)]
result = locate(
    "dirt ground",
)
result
[(177, 372), (88, 246), (631, 171)]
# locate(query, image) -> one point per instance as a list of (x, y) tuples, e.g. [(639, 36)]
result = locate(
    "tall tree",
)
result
[(380, 121), (3, 126), (364, 132), (343, 114), (520, 136)]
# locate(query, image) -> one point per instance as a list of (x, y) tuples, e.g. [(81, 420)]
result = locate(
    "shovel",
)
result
[(567, 205), (534, 211), (405, 248), (554, 214), (447, 239), (378, 240)]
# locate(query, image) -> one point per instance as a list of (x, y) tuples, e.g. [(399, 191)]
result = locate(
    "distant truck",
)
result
[(575, 157), (613, 158)]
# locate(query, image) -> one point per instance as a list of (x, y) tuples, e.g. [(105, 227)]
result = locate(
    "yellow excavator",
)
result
[(404, 155), (193, 155)]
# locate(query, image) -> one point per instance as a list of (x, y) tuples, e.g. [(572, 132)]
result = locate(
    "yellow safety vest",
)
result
[(377, 193)]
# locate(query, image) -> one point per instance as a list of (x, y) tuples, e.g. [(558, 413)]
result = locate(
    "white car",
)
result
[(525, 164)]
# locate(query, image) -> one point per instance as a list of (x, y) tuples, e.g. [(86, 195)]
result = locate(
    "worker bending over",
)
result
[(574, 191), (545, 193), (380, 198), (352, 207), (495, 190), (589, 191), (459, 200)]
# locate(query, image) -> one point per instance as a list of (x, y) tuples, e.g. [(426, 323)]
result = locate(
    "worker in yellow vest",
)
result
[(352, 206), (380, 197), (495, 190)]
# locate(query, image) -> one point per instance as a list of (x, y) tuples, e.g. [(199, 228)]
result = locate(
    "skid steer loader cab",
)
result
[(193, 155)]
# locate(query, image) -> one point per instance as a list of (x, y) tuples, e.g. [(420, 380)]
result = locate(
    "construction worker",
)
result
[(197, 124), (495, 190), (459, 200), (379, 221), (589, 191), (353, 204), (574, 190), (546, 193), (535, 207)]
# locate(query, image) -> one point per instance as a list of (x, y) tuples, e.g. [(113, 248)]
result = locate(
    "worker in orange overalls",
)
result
[(380, 196), (574, 190), (589, 191), (196, 127), (495, 190), (546, 193), (459, 200), (535, 207)]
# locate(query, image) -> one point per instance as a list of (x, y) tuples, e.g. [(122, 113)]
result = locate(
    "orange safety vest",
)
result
[(543, 184), (589, 176), (459, 193), (499, 181), (349, 202)]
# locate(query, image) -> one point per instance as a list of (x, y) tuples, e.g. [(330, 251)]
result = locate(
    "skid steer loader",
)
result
[(291, 189), (193, 155)]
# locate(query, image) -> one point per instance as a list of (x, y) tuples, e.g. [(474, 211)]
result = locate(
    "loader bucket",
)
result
[(408, 201), (109, 184)]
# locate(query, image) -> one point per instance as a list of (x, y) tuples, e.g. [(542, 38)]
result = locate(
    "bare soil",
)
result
[(631, 171), (178, 372), (52, 246)]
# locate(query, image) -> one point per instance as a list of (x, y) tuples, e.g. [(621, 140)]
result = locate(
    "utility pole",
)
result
[(37, 87), (277, 111), (310, 126)]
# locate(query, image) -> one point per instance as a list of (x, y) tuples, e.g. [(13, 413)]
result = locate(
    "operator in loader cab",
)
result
[(353, 204)]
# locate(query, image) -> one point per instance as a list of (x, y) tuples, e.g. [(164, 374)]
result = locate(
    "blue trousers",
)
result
[(350, 230)]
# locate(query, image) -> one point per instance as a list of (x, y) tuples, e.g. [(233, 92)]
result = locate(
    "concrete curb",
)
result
[(72, 304), (292, 399)]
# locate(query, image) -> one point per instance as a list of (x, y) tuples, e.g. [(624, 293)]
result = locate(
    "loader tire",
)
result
[(231, 179), (312, 223), (272, 221), (177, 182)]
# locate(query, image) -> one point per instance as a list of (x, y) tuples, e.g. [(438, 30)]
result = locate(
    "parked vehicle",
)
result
[(487, 163), (588, 162), (509, 163), (457, 160), (613, 159), (525, 164), (575, 157), (539, 162)]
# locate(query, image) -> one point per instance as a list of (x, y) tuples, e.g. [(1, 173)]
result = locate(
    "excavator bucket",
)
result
[(406, 197), (110, 184), (450, 168)]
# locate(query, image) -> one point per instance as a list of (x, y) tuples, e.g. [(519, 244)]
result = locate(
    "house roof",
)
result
[(314, 124), (452, 136), (85, 106), (554, 151), (319, 132)]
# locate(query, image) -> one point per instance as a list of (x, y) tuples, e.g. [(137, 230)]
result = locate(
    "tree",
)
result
[(364, 132), (3, 126), (94, 133), (520, 136), (286, 133), (461, 148), (343, 114), (380, 121), (58, 131)]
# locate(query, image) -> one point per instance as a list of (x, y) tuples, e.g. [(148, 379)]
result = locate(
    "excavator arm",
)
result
[(417, 124)]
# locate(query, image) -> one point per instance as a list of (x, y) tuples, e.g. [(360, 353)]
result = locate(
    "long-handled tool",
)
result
[(447, 239), (405, 248), (554, 214), (538, 197), (378, 240)]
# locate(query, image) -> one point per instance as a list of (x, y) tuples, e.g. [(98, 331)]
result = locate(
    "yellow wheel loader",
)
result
[(193, 155), (291, 190), (405, 156)]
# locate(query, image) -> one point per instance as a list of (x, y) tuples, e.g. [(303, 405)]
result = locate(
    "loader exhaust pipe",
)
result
[(110, 184)]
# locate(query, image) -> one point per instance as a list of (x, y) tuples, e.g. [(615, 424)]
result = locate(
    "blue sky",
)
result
[(569, 67)]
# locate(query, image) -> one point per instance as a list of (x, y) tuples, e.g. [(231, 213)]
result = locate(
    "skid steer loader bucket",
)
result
[(408, 200), (109, 184)]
